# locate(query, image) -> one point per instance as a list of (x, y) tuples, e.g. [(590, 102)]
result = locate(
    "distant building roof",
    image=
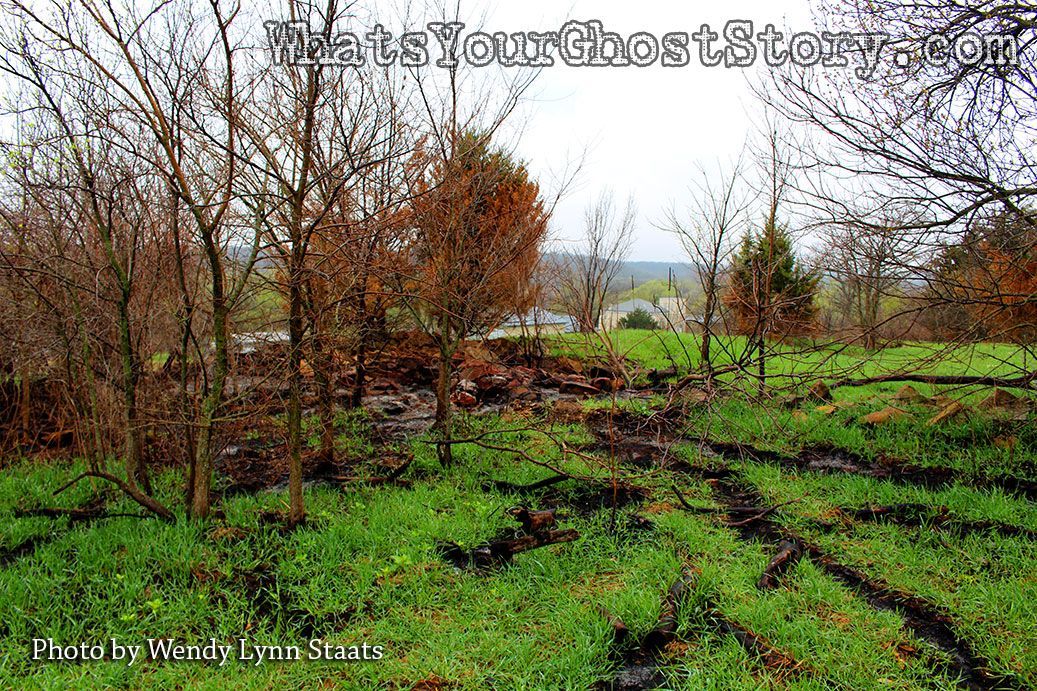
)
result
[(535, 317), (633, 305)]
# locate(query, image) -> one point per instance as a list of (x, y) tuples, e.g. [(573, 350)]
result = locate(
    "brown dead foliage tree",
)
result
[(478, 223)]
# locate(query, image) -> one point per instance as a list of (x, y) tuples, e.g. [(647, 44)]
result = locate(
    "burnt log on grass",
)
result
[(503, 486), (538, 527), (770, 657), (533, 522), (940, 517), (499, 552), (666, 627), (789, 552), (912, 511), (620, 631)]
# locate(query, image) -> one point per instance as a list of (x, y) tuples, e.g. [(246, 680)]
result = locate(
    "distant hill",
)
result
[(643, 272)]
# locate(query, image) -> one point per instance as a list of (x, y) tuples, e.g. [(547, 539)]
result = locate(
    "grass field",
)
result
[(367, 566)]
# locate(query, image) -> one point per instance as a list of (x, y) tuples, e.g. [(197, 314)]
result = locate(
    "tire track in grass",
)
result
[(938, 517), (925, 619), (827, 460), (641, 663), (630, 434)]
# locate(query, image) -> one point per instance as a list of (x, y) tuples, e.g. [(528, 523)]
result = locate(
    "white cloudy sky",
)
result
[(645, 130)]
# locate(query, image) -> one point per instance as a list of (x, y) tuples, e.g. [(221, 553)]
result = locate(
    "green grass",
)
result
[(985, 580), (365, 568), (969, 445), (663, 349)]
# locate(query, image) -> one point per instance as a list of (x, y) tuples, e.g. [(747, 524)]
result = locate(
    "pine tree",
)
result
[(638, 319), (770, 293)]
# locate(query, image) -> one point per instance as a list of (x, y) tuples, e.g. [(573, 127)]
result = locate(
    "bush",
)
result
[(638, 319)]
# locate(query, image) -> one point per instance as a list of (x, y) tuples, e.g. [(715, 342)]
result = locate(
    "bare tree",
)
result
[(708, 230), (171, 70), (868, 266), (950, 139), (592, 264)]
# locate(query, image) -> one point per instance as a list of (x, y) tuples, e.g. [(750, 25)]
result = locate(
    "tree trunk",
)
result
[(136, 473), (444, 422), (707, 326), (186, 321), (25, 408), (211, 407), (296, 511), (761, 354), (359, 380), (324, 379)]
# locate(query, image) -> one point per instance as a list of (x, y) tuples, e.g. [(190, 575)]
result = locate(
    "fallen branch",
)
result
[(760, 513), (75, 515), (130, 490), (689, 507), (504, 486), (690, 379), (478, 441), (716, 509), (1026, 381), (755, 645), (789, 552), (502, 551)]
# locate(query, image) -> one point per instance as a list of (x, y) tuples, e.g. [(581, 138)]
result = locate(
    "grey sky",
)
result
[(645, 129)]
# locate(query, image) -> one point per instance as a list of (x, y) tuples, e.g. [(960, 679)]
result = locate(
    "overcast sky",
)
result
[(642, 131), (645, 129)]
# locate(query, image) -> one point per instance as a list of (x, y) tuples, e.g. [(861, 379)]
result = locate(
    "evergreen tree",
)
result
[(770, 293), (638, 319)]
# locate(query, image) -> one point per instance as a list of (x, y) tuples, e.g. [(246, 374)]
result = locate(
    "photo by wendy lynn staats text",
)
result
[(241, 651), (740, 43)]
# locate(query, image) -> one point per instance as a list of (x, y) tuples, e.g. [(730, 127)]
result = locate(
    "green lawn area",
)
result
[(664, 349)]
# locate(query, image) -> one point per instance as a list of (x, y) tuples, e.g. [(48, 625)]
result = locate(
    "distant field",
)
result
[(664, 349)]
